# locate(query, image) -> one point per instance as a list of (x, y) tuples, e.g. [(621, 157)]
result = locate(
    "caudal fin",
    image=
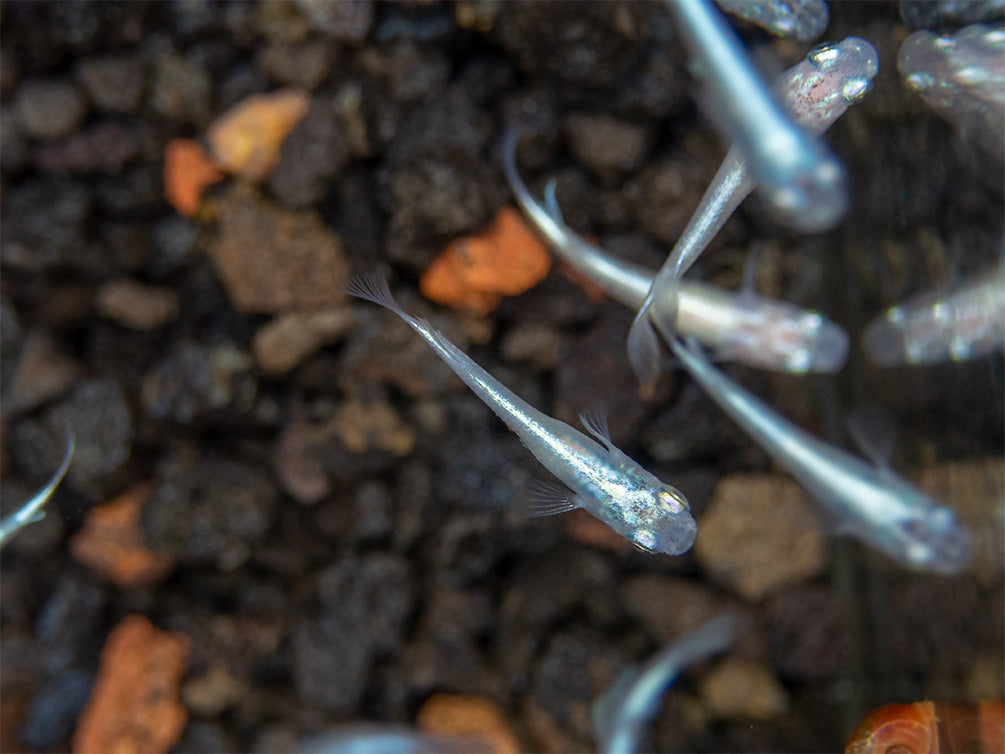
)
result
[(373, 287), (644, 348)]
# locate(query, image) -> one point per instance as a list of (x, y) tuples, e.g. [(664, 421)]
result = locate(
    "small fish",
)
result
[(962, 78), (815, 93), (740, 327), (872, 504), (931, 728), (32, 511), (964, 324), (603, 480), (371, 738), (803, 181), (621, 714), (804, 20)]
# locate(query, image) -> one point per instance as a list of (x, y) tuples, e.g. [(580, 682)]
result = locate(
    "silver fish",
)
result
[(371, 738), (32, 511), (872, 504), (603, 480), (962, 78), (803, 181), (740, 327), (621, 714), (804, 20), (815, 92), (966, 323)]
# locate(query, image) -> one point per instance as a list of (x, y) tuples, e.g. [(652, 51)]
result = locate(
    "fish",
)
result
[(966, 323), (800, 177), (742, 327), (870, 503), (621, 714), (931, 728), (372, 738), (599, 477), (33, 511), (804, 20), (815, 92), (962, 78)]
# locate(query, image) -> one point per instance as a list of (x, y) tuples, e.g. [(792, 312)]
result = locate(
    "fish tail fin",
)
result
[(644, 348), (373, 287)]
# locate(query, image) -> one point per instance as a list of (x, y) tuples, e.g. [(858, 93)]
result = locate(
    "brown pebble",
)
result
[(134, 704), (742, 689), (455, 715), (111, 542), (759, 533), (365, 427), (605, 144), (136, 305), (286, 341), (271, 260), (42, 373)]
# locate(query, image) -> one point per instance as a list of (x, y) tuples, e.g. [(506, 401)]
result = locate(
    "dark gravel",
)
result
[(348, 537)]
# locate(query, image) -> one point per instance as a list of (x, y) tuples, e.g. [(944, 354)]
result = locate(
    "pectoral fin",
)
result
[(547, 498)]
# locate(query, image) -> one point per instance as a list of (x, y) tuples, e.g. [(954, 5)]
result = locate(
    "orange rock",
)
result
[(134, 704), (476, 272), (188, 170), (455, 715), (111, 542), (246, 139)]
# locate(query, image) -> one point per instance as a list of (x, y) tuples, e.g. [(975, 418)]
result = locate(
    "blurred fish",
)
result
[(931, 728), (32, 511), (801, 178), (601, 478), (621, 714), (963, 324), (370, 738), (962, 78), (869, 503), (815, 92), (937, 14), (740, 327), (804, 20)]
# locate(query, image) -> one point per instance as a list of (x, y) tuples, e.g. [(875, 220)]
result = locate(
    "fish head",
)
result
[(670, 528), (931, 538)]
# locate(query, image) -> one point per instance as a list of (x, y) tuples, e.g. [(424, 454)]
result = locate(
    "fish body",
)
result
[(32, 511), (931, 728), (804, 20), (962, 78), (933, 327), (815, 92), (621, 714), (802, 179), (872, 504), (603, 480), (370, 738), (740, 327)]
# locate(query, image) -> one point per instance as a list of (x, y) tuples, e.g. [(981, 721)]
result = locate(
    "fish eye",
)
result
[(671, 499)]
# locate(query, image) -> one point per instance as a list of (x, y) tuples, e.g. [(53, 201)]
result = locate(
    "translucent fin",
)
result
[(547, 498), (33, 511), (873, 431), (595, 422), (644, 348), (373, 287), (551, 201)]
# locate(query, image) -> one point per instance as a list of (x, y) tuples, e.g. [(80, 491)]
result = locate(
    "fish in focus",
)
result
[(741, 327), (872, 504), (32, 511), (931, 728), (600, 478), (815, 92)]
